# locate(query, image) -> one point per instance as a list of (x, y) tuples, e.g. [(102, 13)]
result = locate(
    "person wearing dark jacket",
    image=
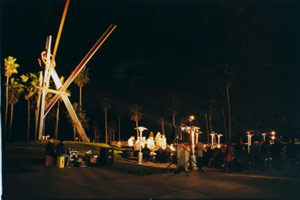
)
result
[(61, 151), (50, 150)]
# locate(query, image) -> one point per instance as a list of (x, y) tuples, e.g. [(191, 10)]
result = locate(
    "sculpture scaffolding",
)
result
[(49, 71)]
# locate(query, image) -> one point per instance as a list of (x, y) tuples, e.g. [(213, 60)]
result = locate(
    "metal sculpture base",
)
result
[(180, 166)]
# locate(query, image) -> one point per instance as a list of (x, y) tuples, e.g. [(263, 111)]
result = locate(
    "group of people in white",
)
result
[(159, 142)]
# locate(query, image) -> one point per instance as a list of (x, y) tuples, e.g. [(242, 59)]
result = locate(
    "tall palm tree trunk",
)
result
[(119, 120), (28, 119), (173, 120), (6, 103), (162, 122), (137, 130), (57, 119), (229, 114), (207, 130), (224, 120), (80, 97), (11, 120), (210, 121), (105, 113)]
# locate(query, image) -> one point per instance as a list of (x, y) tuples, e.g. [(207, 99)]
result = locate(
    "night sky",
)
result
[(167, 47)]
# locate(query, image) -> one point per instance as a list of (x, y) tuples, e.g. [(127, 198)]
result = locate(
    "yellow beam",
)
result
[(53, 91)]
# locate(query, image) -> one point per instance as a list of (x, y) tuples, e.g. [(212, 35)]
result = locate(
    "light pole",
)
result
[(140, 155), (273, 136), (249, 135), (219, 139), (264, 136), (213, 134), (192, 130)]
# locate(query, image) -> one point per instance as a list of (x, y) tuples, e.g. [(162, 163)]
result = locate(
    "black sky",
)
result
[(169, 47)]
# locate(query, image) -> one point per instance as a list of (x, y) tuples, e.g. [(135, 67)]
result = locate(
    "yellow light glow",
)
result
[(273, 133), (273, 137)]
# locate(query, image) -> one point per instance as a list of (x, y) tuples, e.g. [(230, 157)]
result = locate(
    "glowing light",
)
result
[(273, 137), (273, 133), (191, 117)]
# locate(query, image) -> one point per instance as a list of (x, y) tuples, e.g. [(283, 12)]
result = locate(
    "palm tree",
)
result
[(119, 114), (81, 114), (174, 107), (96, 131), (15, 89), (81, 80), (228, 78), (221, 102), (204, 106), (212, 106), (161, 114), (10, 68), (30, 83), (106, 104), (136, 115), (112, 131)]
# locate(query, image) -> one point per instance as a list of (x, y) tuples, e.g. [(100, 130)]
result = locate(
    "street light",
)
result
[(264, 136), (249, 135), (219, 139), (213, 134), (140, 155), (192, 130)]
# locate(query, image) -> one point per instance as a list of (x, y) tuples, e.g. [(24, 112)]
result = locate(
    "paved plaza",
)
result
[(38, 182)]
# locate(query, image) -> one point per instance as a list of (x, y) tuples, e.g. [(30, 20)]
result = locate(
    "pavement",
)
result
[(35, 181)]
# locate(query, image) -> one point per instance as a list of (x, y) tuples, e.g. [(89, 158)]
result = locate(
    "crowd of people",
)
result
[(265, 155), (153, 148)]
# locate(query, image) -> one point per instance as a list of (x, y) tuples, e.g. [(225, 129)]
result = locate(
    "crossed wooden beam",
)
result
[(61, 88)]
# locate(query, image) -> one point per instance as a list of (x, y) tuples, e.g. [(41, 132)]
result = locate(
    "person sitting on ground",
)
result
[(50, 150), (61, 151)]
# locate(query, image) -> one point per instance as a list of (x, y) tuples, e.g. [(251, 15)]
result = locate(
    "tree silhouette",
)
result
[(106, 104), (15, 89), (81, 80), (10, 68), (135, 115)]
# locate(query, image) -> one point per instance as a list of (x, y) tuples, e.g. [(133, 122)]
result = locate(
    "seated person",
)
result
[(50, 150), (61, 151)]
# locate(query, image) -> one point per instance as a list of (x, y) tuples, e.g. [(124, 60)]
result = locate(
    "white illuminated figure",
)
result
[(158, 140), (131, 141), (150, 143), (163, 142)]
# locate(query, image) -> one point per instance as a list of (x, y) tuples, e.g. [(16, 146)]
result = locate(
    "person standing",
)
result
[(61, 151), (228, 158), (199, 154)]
